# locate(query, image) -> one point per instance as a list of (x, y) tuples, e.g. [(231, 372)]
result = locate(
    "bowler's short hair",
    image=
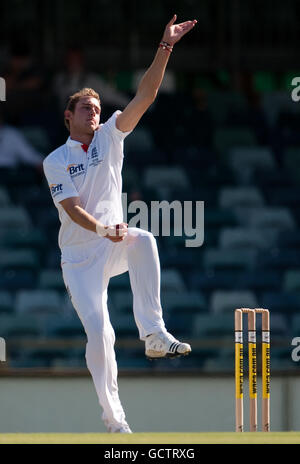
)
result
[(74, 99)]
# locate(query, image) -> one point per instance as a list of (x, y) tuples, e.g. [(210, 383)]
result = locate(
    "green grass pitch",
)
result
[(152, 438)]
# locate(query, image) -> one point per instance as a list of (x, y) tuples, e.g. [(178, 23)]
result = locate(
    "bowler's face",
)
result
[(86, 116)]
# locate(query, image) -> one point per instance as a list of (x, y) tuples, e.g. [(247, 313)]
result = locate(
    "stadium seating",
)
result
[(17, 279), (226, 138), (225, 301), (6, 302), (18, 259), (218, 259), (243, 162), (51, 279), (171, 279), (38, 301), (14, 217), (4, 197), (166, 176), (183, 302), (247, 162), (213, 326), (231, 197), (241, 238)]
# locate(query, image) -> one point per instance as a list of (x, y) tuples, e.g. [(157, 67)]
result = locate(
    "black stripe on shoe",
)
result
[(171, 349), (175, 347)]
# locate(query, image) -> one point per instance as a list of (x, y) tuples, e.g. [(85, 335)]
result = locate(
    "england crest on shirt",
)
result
[(95, 158)]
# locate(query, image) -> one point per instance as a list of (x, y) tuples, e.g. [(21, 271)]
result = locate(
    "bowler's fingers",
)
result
[(170, 23), (121, 229), (187, 25)]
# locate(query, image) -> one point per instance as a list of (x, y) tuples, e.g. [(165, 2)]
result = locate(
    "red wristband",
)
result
[(166, 46)]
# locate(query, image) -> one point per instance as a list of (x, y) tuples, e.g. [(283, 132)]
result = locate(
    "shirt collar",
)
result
[(75, 144)]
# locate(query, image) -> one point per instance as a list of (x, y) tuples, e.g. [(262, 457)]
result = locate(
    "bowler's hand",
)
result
[(116, 233), (174, 32)]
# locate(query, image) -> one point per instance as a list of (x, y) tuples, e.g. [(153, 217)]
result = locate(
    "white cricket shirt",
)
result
[(94, 176)]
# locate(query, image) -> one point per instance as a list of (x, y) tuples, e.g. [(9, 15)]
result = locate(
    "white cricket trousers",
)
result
[(86, 270)]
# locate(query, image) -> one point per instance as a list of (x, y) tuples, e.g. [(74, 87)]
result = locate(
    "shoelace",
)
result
[(167, 338)]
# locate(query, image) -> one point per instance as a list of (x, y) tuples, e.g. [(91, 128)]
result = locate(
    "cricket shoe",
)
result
[(123, 429), (164, 345)]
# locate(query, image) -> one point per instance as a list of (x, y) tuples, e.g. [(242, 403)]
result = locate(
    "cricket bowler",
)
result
[(85, 181)]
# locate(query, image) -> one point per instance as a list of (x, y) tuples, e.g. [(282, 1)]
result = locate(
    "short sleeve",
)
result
[(111, 128), (59, 181)]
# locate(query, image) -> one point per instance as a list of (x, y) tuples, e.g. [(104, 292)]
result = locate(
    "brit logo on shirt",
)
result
[(75, 169), (56, 189)]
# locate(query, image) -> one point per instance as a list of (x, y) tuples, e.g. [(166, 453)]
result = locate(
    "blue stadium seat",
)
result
[(224, 139), (7, 320), (20, 238), (279, 259), (17, 259), (290, 240), (166, 176), (120, 282), (247, 162), (267, 218), (279, 218), (279, 327), (282, 302), (242, 238), (17, 279), (124, 326), (214, 326), (171, 279), (292, 162), (70, 327), (259, 280), (6, 302), (38, 137), (182, 258), (291, 280), (281, 359), (132, 359), (295, 325), (140, 140), (122, 300), (210, 280), (180, 325), (283, 196), (216, 217), (38, 301), (4, 197), (183, 302), (221, 102), (231, 197), (25, 176), (223, 362), (226, 301), (51, 279), (131, 178), (24, 326), (40, 357), (14, 217), (218, 259)]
